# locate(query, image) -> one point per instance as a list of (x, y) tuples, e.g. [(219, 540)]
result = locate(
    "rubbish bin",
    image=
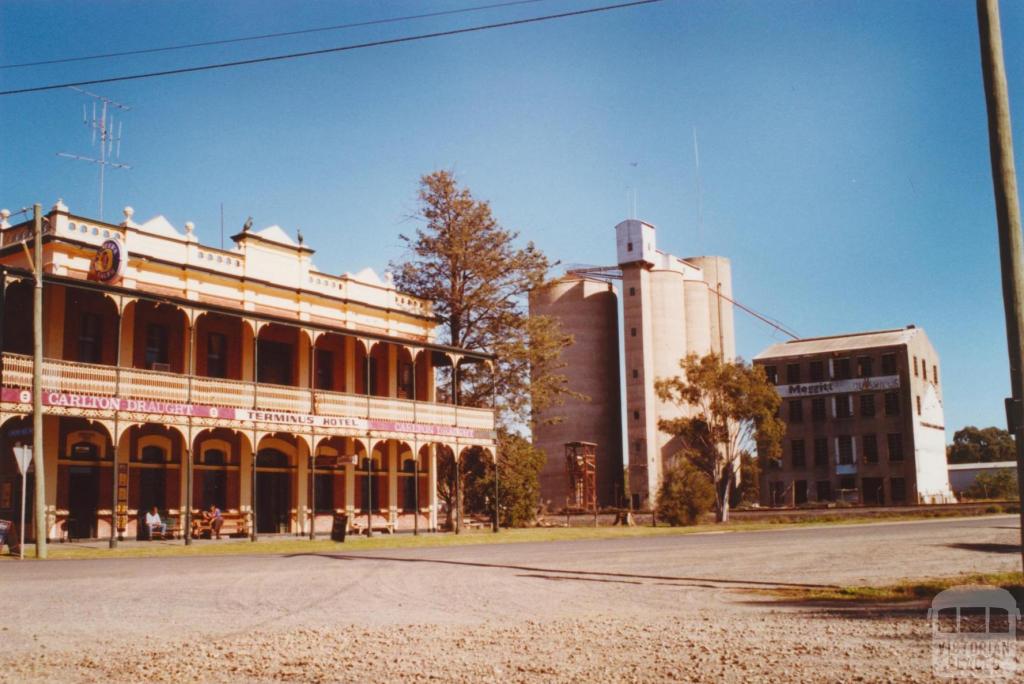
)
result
[(339, 528)]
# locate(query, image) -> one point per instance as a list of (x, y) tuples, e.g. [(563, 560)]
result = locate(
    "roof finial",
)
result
[(298, 234), (248, 225)]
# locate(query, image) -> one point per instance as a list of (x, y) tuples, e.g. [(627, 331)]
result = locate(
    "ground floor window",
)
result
[(800, 491), (824, 492), (898, 487), (871, 488), (324, 493)]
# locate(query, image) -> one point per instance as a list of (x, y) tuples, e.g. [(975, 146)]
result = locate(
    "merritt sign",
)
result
[(813, 389)]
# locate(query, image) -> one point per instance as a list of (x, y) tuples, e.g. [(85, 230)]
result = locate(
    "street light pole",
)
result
[(1004, 180), (37, 386)]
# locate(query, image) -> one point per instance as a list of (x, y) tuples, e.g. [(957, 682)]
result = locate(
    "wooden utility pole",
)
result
[(1004, 180), (37, 385)]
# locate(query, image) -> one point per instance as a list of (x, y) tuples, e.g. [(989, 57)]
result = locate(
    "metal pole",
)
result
[(312, 455), (37, 386), (253, 534), (21, 526), (369, 488), (1004, 178), (494, 405), (495, 524), (189, 466), (114, 440), (416, 492), (458, 491), (415, 459)]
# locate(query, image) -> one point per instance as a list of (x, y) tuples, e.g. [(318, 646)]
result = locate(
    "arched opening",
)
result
[(378, 371), (329, 367), (85, 455), (159, 337), (218, 341), (216, 476), (277, 350), (154, 479), (275, 482), (371, 486), (446, 489), (18, 318), (90, 327)]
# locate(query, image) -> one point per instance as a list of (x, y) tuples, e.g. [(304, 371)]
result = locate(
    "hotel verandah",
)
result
[(189, 360)]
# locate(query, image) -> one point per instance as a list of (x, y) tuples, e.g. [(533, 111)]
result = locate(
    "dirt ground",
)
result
[(686, 608)]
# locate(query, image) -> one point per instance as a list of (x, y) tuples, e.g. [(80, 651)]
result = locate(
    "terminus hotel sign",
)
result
[(811, 389), (297, 420)]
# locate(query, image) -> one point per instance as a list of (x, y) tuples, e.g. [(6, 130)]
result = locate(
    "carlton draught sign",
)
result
[(108, 264)]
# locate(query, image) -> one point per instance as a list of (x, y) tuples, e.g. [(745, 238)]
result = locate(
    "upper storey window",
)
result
[(156, 347)]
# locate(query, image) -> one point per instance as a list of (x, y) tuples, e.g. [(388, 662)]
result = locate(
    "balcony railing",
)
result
[(109, 381)]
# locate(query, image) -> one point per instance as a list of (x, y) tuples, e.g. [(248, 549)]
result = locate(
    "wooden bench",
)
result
[(354, 527), (235, 525)]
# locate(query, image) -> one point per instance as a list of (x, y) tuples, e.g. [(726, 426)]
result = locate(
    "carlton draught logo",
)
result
[(108, 263)]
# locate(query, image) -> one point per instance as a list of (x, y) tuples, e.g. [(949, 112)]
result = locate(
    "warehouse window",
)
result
[(895, 442), (935, 374), (915, 366), (632, 291), (772, 373), (796, 411), (797, 451), (820, 451), (918, 405), (632, 332), (844, 405), (888, 364), (629, 246), (841, 369), (636, 374), (636, 415), (817, 369), (793, 373), (864, 368), (898, 489), (818, 409), (870, 449), (844, 449), (892, 403), (867, 405)]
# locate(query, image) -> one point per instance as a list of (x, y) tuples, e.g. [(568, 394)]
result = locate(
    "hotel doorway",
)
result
[(83, 501), (273, 492)]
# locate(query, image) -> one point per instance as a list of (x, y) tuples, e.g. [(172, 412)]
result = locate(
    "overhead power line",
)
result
[(342, 48), (266, 36)]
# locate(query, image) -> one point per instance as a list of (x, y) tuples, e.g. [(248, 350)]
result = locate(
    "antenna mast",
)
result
[(700, 190), (103, 126)]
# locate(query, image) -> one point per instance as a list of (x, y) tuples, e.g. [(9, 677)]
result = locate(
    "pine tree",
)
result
[(471, 267)]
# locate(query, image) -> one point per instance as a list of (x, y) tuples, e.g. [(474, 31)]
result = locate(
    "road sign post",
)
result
[(23, 455)]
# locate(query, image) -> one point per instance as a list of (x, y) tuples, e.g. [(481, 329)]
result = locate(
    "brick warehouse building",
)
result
[(173, 367), (864, 420)]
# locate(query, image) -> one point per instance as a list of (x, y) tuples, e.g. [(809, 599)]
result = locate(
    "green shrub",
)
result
[(686, 493), (999, 484)]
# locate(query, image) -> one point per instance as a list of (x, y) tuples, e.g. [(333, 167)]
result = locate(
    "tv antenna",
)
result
[(105, 132)]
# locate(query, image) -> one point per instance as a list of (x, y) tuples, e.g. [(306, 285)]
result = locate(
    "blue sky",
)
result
[(844, 155)]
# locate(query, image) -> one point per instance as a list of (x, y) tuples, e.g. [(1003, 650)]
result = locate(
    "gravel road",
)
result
[(643, 609)]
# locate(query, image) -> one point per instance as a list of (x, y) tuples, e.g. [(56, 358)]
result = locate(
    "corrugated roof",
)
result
[(818, 345)]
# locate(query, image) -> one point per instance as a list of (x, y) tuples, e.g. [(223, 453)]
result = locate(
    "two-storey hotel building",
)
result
[(180, 375)]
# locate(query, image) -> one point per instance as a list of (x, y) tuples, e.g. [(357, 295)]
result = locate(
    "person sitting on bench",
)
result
[(215, 520), (155, 524)]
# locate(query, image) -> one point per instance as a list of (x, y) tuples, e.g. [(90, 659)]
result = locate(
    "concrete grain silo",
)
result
[(587, 309)]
